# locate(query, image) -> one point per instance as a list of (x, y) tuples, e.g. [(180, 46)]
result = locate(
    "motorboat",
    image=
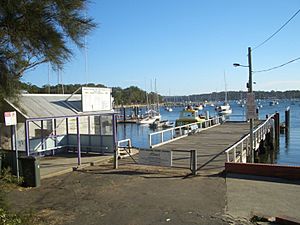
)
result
[(189, 115)]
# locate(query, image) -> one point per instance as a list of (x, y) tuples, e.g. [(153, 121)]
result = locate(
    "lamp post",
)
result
[(250, 95)]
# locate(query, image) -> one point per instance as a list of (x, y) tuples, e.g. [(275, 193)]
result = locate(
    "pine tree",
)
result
[(33, 32)]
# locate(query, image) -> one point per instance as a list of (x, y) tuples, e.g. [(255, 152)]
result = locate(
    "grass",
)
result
[(7, 183)]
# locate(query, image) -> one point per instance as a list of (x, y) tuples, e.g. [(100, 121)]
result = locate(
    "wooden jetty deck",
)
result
[(208, 144)]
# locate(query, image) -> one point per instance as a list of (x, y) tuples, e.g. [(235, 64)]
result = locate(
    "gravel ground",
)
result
[(132, 195)]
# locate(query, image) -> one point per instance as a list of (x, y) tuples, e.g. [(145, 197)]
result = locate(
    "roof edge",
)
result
[(16, 108)]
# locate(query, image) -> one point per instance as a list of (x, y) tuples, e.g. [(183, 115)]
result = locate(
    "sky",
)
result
[(185, 45)]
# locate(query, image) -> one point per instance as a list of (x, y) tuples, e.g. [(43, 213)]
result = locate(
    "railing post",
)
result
[(162, 136), (194, 162), (129, 145), (116, 155), (234, 154), (242, 150), (150, 140), (227, 156)]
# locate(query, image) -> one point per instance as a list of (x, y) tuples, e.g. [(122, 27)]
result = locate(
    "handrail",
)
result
[(184, 130), (128, 141), (261, 130)]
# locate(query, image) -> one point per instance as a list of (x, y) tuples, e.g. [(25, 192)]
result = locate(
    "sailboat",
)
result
[(152, 114), (224, 109)]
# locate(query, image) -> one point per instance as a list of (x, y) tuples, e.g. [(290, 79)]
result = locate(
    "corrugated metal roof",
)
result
[(50, 105)]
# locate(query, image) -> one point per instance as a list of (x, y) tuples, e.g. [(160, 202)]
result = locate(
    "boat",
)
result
[(273, 102), (169, 109), (224, 110), (161, 124), (189, 115), (198, 107), (149, 117), (151, 114)]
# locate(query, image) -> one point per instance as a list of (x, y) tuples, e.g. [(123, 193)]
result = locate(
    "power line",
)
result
[(276, 67), (276, 32)]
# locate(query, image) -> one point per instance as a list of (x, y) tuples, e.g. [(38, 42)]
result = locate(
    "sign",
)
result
[(155, 157), (96, 99), (10, 118), (251, 106)]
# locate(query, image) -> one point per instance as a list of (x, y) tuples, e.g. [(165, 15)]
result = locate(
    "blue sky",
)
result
[(187, 45)]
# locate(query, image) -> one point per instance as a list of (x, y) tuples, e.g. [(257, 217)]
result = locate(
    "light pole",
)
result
[(250, 103)]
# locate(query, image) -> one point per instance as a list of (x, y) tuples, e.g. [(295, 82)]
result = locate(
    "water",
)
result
[(287, 154)]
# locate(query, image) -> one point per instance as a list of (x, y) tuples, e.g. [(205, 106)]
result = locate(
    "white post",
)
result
[(234, 154), (227, 156), (150, 142)]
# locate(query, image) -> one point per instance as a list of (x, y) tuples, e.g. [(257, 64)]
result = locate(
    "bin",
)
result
[(0, 163), (30, 167)]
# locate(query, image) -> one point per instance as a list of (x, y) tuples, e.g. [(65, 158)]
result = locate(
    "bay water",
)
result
[(288, 152)]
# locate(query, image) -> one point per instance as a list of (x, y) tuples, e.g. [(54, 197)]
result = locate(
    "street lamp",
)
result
[(250, 100)]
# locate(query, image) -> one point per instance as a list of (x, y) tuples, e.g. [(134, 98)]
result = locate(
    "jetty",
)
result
[(206, 146)]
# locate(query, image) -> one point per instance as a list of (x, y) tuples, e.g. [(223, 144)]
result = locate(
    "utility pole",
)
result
[(250, 90)]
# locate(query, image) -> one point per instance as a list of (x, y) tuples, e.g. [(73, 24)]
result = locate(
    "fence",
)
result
[(164, 136), (241, 149)]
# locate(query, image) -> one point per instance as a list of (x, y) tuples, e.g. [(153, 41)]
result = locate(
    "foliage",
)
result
[(127, 96), (235, 95), (35, 32), (7, 177), (8, 181)]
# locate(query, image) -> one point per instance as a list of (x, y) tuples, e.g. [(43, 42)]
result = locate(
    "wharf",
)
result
[(209, 144), (128, 121)]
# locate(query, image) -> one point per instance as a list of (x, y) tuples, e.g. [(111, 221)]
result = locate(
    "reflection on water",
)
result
[(288, 152)]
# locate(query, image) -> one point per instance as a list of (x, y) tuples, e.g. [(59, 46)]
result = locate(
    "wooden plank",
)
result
[(209, 144)]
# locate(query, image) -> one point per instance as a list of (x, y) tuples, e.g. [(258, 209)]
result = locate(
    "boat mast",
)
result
[(156, 95), (225, 88)]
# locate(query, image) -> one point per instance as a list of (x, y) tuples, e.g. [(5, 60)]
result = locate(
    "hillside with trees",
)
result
[(235, 95), (127, 96), (135, 95)]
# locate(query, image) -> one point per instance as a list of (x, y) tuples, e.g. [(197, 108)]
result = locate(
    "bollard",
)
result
[(194, 162), (287, 119), (277, 128)]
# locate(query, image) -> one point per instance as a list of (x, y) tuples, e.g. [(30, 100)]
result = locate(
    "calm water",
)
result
[(288, 152)]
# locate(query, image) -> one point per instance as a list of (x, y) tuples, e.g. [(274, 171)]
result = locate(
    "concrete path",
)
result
[(250, 195), (64, 163)]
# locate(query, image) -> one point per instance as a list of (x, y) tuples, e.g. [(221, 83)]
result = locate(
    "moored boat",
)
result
[(189, 115), (224, 110), (150, 117)]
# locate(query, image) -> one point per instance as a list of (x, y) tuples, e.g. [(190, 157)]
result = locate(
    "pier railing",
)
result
[(239, 151), (168, 135)]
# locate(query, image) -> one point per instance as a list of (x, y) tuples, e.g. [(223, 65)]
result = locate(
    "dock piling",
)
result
[(287, 119)]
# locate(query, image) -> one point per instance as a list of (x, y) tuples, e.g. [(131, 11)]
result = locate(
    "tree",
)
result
[(34, 32)]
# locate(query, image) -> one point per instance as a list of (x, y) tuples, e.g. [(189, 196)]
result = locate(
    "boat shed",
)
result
[(49, 123)]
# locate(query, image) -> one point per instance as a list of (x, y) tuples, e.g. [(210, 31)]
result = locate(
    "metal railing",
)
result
[(171, 134), (239, 151)]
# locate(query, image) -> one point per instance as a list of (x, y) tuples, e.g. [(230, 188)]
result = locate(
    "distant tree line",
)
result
[(127, 96), (234, 95), (135, 95)]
